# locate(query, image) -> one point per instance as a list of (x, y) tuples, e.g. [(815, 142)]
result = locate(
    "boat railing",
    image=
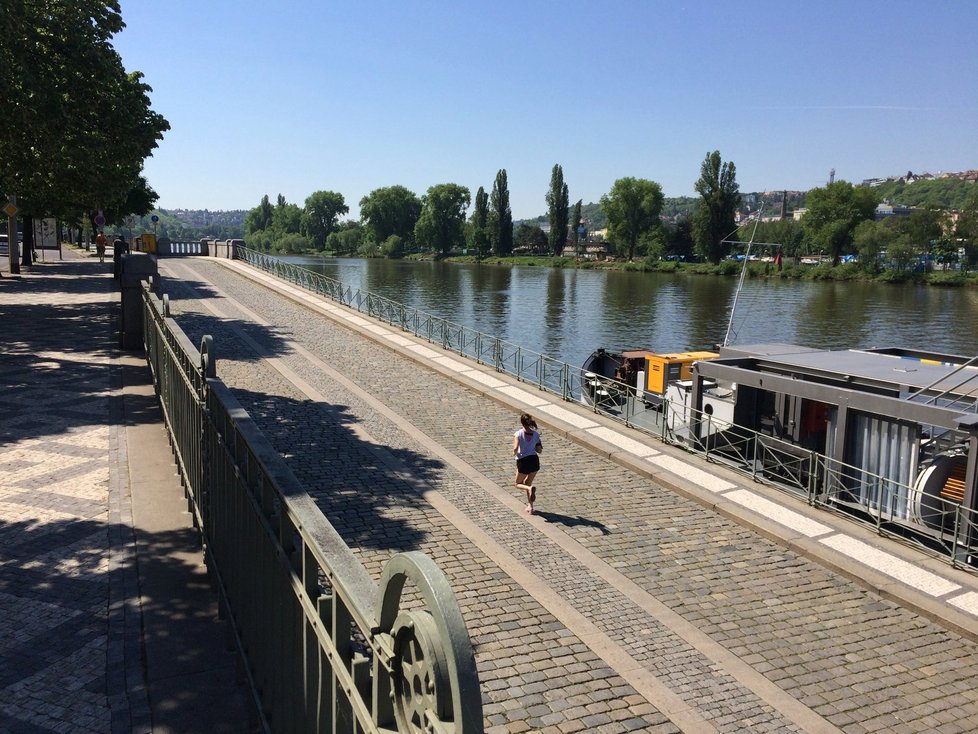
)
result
[(824, 483)]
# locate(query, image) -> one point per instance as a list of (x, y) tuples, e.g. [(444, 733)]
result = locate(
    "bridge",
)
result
[(651, 591)]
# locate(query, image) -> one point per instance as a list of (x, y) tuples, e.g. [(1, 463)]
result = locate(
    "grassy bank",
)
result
[(731, 268)]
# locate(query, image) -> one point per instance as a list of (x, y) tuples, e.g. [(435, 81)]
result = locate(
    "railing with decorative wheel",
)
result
[(325, 648)]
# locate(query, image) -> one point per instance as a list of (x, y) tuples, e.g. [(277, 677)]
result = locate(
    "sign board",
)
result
[(46, 234)]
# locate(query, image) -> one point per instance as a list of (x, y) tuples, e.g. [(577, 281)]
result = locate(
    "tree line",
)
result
[(395, 221), (839, 223)]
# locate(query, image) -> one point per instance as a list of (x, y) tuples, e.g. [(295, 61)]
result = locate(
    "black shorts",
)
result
[(528, 464)]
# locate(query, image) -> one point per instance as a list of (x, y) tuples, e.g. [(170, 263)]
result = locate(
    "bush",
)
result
[(368, 248), (894, 276), (947, 278), (392, 247), (293, 244), (729, 267)]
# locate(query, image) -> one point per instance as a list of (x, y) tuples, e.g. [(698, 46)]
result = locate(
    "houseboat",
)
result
[(891, 434)]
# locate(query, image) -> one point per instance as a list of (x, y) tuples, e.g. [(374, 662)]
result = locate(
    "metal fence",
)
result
[(325, 648), (823, 482)]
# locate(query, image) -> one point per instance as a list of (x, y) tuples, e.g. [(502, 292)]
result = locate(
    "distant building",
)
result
[(885, 210)]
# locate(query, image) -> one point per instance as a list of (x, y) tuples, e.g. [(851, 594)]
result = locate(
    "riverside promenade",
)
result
[(650, 592)]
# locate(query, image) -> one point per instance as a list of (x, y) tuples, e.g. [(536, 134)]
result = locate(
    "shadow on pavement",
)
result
[(65, 596), (571, 522)]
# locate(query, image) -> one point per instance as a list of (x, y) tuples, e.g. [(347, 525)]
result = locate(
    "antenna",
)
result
[(743, 272)]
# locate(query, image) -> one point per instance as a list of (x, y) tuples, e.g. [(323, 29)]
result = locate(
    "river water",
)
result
[(566, 314)]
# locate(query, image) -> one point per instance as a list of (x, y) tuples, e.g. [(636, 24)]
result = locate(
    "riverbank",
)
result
[(758, 269)]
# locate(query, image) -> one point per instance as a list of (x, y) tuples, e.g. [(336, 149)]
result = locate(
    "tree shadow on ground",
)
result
[(370, 493), (71, 590)]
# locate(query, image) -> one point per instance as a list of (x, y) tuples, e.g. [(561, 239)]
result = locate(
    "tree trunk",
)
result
[(26, 256)]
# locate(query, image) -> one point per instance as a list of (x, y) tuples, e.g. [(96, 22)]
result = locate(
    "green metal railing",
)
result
[(325, 648), (823, 482)]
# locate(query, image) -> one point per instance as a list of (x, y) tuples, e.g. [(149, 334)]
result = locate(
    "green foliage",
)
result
[(942, 193), (286, 218), (947, 278), (895, 276), (575, 222), (787, 233), (633, 206), (76, 126), (320, 214), (557, 203), (390, 210), (500, 216), (530, 238), (293, 243), (392, 247), (678, 239), (480, 238), (728, 267), (870, 238), (260, 217), (368, 248), (713, 219), (833, 214), (440, 226), (347, 240)]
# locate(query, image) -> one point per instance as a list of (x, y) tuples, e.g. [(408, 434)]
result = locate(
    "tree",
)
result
[(679, 239), (441, 224), (870, 239), (286, 218), (390, 210), (715, 217), (347, 239), (500, 216), (259, 218), (632, 207), (576, 222), (480, 224), (557, 211), (76, 127), (833, 212), (787, 233), (966, 230), (320, 214), (530, 237)]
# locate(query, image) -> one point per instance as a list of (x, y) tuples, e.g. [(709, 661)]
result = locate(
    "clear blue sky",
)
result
[(297, 96)]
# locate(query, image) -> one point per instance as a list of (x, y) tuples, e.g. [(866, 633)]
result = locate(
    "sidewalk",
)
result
[(108, 621)]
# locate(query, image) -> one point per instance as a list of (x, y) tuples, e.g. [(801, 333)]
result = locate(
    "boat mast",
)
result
[(743, 272)]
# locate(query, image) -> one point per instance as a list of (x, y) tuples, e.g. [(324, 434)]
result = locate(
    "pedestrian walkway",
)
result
[(651, 592), (107, 620)]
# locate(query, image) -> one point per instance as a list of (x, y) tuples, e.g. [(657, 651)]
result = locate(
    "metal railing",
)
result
[(762, 457), (325, 648)]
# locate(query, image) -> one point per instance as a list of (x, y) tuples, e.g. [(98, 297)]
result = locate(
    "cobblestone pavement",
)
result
[(621, 606), (60, 577), (82, 595)]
